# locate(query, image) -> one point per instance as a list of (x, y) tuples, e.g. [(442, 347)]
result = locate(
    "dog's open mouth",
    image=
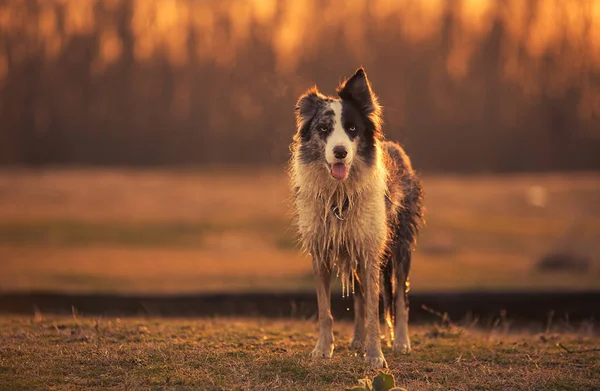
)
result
[(339, 171)]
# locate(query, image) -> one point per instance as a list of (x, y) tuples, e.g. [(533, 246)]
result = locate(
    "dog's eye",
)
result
[(352, 128), (323, 128)]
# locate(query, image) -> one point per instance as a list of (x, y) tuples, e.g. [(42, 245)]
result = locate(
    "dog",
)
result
[(358, 209)]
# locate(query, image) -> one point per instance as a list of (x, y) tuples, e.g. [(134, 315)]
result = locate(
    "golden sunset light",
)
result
[(298, 194)]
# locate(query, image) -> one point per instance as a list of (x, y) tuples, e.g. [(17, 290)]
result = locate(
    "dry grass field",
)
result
[(167, 231), (63, 353)]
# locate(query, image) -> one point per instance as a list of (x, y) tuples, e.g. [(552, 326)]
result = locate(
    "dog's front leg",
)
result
[(359, 311), (324, 347), (373, 353)]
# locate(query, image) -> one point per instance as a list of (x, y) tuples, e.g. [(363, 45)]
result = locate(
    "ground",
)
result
[(169, 231), (265, 354)]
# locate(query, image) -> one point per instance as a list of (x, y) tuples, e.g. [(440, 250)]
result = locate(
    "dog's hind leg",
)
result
[(373, 353), (324, 346), (402, 341), (359, 311), (387, 292)]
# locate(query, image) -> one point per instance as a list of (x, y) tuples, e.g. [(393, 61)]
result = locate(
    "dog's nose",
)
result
[(340, 152)]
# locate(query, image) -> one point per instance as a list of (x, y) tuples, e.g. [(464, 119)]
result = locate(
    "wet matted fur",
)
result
[(358, 208)]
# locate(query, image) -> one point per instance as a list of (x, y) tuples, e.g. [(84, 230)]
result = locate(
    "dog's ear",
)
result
[(307, 105), (306, 109), (358, 90)]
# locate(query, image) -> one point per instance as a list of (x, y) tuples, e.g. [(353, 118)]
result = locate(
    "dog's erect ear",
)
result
[(358, 90)]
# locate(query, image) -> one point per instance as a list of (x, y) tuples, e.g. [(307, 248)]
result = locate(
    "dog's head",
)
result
[(339, 133)]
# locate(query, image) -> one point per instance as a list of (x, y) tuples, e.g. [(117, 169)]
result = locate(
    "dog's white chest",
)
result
[(348, 226)]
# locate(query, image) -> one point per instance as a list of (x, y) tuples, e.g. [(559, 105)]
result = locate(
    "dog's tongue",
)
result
[(339, 171)]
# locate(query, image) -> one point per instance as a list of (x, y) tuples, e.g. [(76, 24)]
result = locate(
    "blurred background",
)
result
[(143, 143)]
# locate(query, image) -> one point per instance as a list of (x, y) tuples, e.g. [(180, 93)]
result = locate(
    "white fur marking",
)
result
[(338, 136)]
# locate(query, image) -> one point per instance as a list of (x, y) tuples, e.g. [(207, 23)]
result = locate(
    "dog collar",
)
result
[(340, 213)]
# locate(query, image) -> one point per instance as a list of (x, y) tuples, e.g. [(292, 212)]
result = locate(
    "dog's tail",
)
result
[(410, 217), (397, 264)]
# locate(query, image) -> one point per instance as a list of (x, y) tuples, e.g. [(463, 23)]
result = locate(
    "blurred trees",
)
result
[(471, 85)]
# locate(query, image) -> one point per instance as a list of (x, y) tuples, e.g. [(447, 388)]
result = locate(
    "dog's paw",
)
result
[(356, 343), (322, 351), (376, 361), (401, 345), (403, 348)]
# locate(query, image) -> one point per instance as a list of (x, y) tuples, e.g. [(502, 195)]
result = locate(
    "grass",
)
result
[(167, 231), (261, 354)]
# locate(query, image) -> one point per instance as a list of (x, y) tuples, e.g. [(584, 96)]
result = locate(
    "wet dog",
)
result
[(358, 207)]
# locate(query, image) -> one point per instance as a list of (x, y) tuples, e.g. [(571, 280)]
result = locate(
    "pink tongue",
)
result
[(339, 171)]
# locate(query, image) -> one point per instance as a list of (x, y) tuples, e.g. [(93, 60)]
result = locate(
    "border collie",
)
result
[(358, 207)]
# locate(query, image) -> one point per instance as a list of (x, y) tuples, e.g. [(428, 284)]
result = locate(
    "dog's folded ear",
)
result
[(307, 105), (358, 90)]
